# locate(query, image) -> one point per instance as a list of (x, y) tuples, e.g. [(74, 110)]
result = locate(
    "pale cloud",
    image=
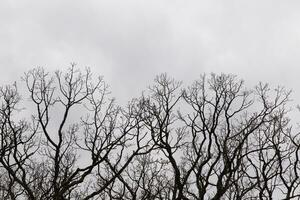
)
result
[(129, 42)]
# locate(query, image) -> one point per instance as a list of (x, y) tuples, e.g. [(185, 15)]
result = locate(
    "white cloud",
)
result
[(129, 42)]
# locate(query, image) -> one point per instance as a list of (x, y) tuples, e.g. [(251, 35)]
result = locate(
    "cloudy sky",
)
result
[(131, 41)]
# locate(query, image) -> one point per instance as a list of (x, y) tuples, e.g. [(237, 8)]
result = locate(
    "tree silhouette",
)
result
[(214, 139)]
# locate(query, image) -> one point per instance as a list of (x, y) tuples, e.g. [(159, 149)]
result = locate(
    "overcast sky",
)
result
[(131, 41)]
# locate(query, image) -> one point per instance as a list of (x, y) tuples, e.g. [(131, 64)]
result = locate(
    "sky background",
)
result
[(131, 41)]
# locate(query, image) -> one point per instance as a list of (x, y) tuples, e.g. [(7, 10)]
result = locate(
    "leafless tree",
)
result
[(208, 133), (58, 155), (215, 139)]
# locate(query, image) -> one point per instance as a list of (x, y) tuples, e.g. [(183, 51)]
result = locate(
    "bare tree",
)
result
[(209, 143), (215, 139), (43, 157)]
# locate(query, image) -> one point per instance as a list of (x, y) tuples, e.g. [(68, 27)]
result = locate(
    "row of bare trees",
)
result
[(215, 139)]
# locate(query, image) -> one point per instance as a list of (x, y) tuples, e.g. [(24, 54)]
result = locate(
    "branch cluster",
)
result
[(215, 139)]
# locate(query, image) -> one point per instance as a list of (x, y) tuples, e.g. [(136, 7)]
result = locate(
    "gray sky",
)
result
[(131, 41)]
